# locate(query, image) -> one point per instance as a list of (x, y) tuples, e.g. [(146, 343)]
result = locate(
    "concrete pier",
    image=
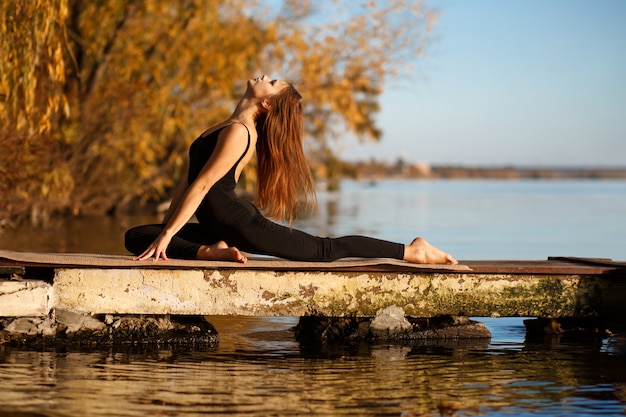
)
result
[(44, 294), (477, 291), (271, 293), (25, 298)]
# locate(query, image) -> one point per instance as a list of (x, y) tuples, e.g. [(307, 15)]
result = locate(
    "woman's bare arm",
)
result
[(177, 196), (231, 143)]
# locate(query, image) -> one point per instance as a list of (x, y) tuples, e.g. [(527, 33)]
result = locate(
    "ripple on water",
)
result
[(259, 369)]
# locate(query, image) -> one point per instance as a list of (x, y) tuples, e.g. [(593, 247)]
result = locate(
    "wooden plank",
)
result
[(542, 267), (589, 261)]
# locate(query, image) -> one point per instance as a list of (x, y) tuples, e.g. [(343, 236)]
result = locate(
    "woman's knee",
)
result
[(137, 239)]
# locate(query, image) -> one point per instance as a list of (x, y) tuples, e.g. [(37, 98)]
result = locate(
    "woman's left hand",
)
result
[(156, 248)]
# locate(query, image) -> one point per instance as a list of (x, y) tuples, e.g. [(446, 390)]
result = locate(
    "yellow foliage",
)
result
[(102, 98)]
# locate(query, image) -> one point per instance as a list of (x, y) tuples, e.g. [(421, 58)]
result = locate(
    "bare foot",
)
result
[(422, 252), (220, 251)]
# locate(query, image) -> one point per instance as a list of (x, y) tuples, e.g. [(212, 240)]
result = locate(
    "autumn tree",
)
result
[(32, 103), (100, 100)]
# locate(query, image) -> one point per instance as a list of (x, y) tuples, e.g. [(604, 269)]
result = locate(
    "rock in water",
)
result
[(390, 322)]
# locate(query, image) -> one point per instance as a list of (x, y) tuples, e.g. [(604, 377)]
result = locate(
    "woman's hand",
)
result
[(156, 248)]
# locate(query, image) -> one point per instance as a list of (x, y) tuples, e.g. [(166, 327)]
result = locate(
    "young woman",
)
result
[(269, 118)]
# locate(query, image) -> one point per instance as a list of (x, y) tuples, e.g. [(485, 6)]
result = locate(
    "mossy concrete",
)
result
[(336, 294)]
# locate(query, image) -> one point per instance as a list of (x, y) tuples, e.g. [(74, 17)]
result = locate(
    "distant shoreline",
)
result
[(529, 173), (377, 170)]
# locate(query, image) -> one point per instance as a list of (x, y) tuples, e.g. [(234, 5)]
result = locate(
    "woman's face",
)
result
[(263, 87)]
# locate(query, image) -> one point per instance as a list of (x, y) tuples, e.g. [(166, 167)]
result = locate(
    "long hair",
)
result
[(285, 184)]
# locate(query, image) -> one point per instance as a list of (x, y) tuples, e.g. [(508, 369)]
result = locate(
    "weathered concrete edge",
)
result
[(25, 298), (273, 293)]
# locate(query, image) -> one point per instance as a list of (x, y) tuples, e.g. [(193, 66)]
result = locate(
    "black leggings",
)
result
[(264, 237)]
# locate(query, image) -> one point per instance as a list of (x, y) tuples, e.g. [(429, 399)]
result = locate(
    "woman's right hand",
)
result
[(157, 248)]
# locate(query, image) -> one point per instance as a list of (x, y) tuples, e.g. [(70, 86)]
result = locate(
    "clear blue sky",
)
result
[(521, 82)]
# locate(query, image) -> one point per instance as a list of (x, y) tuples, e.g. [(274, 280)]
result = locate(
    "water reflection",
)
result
[(260, 369), (101, 234)]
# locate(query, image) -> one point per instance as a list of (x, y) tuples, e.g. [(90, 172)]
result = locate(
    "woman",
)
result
[(269, 118)]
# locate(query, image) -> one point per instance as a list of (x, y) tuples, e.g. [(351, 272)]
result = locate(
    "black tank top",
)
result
[(199, 153)]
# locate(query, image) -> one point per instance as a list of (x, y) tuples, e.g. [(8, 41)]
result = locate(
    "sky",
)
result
[(511, 82)]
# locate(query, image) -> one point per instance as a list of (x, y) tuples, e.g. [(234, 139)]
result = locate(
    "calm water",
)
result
[(259, 369)]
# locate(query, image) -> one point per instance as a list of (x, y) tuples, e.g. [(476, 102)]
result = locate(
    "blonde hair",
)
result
[(285, 184)]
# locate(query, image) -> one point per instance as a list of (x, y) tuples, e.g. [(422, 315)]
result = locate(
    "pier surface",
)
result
[(37, 284)]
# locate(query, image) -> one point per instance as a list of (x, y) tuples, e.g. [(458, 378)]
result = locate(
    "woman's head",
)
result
[(285, 182), (264, 87)]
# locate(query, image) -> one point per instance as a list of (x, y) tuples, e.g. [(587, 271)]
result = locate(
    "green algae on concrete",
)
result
[(298, 293)]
